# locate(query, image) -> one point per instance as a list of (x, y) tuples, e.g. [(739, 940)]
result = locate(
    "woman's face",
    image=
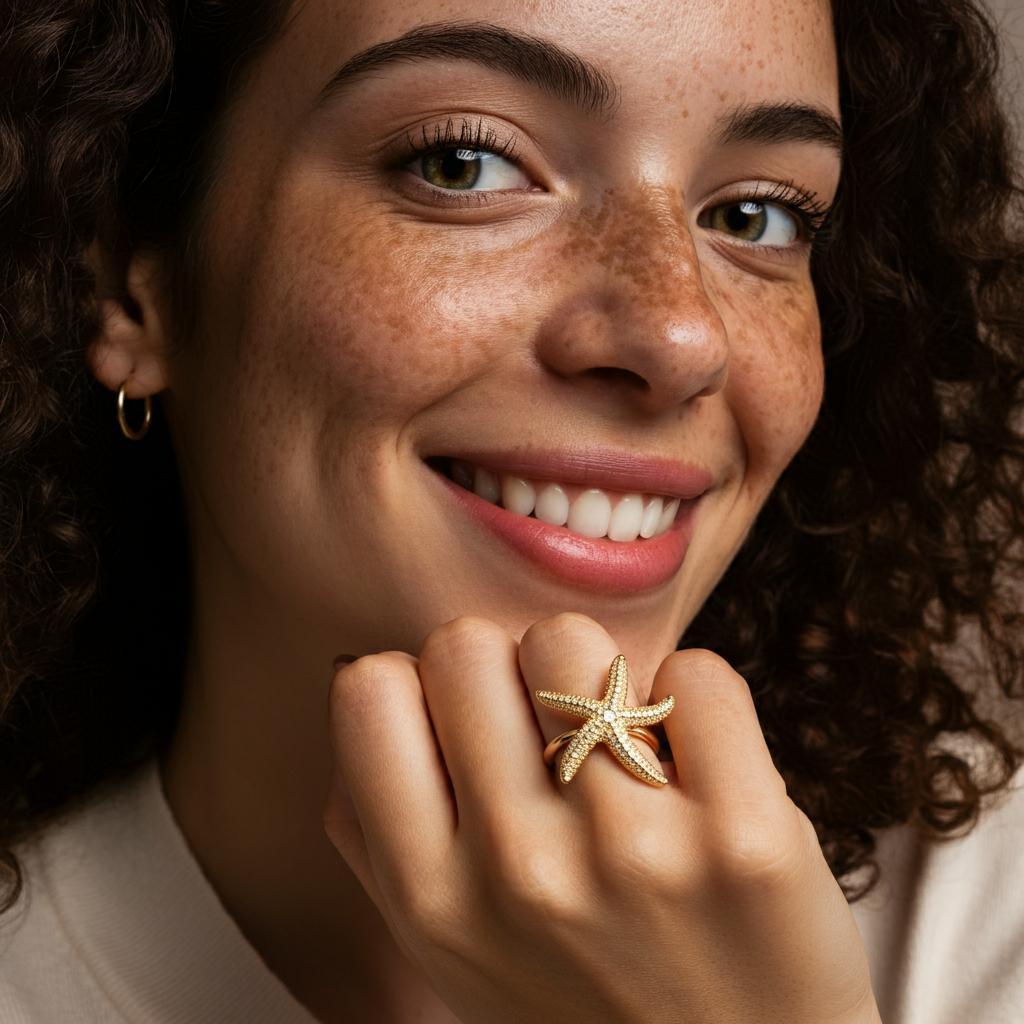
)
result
[(597, 296)]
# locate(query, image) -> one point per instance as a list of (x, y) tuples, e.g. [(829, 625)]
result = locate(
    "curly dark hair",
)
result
[(896, 532)]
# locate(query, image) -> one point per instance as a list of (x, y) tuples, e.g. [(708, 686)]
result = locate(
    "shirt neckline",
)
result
[(144, 919)]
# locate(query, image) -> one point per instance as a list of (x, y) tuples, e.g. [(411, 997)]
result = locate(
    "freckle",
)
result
[(760, 63)]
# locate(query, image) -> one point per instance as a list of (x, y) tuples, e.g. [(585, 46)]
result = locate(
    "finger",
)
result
[(341, 823), (483, 717), (571, 654), (391, 767), (719, 750)]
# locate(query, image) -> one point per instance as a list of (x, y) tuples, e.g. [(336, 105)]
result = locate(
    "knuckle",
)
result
[(719, 687), (459, 636), (645, 858), (532, 882), (704, 666), (559, 627), (755, 849), (362, 684)]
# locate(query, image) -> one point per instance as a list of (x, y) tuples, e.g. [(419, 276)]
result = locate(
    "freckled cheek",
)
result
[(387, 322), (776, 379)]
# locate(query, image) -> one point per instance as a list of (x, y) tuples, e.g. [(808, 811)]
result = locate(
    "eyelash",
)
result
[(469, 137), (811, 212)]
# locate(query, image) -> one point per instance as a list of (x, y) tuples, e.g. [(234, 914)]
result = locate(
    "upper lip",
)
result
[(612, 469)]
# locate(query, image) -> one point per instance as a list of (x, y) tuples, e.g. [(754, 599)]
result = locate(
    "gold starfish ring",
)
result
[(608, 721)]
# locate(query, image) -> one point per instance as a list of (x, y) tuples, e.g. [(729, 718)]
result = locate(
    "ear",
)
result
[(133, 343)]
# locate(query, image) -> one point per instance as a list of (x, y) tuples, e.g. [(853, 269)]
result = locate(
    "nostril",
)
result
[(617, 373)]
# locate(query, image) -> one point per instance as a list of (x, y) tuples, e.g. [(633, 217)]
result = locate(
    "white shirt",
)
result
[(117, 923), (944, 927)]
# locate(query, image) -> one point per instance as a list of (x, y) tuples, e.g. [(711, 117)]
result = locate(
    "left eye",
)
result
[(465, 169), (751, 221)]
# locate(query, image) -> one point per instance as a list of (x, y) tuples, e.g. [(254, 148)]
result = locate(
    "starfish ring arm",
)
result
[(629, 756), (634, 717), (571, 703), (587, 737), (608, 721)]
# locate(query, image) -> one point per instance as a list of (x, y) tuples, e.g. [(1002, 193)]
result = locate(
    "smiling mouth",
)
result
[(590, 512)]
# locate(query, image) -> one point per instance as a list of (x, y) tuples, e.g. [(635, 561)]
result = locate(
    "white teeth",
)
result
[(590, 513), (552, 505), (671, 507), (652, 514), (517, 495), (486, 485), (625, 520)]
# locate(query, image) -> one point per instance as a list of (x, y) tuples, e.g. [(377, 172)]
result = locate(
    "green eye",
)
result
[(458, 169), (751, 221), (452, 168)]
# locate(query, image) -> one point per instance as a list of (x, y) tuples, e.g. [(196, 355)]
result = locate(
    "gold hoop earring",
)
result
[(133, 435)]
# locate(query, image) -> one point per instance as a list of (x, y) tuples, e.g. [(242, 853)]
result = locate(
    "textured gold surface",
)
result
[(607, 721)]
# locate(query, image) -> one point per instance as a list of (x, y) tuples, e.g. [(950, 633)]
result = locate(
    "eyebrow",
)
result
[(558, 71), (781, 122), (570, 78)]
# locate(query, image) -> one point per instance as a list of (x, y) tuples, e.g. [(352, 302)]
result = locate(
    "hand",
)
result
[(607, 899)]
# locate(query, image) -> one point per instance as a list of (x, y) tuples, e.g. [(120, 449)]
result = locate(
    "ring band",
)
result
[(640, 732)]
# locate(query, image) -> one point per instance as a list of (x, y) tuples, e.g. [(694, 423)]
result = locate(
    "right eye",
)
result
[(460, 169), (757, 222)]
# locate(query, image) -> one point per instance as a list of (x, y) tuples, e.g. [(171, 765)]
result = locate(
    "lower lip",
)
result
[(606, 566)]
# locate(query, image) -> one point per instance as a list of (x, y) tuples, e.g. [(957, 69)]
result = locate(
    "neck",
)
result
[(246, 777)]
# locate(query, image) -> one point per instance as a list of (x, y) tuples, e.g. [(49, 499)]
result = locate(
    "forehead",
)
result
[(696, 54)]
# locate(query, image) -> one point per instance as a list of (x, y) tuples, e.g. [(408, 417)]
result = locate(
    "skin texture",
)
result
[(350, 326)]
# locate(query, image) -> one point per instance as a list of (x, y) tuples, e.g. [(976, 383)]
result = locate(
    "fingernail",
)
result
[(343, 659)]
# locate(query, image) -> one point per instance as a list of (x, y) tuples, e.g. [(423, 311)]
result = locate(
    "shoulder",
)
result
[(118, 923), (42, 976), (944, 925)]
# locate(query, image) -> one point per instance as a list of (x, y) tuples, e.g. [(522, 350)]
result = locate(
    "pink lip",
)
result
[(608, 468), (602, 565)]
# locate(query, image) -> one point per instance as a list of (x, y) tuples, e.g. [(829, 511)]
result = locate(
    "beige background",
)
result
[(1010, 17)]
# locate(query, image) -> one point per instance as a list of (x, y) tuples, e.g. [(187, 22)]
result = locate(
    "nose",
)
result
[(635, 318)]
